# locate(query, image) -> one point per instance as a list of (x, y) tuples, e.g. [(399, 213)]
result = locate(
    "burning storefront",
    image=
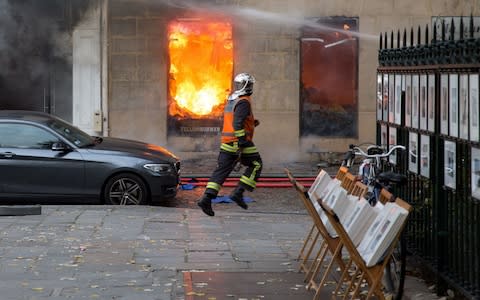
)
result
[(160, 71), (200, 74)]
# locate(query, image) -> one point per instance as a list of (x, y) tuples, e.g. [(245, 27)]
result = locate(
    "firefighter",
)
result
[(236, 146)]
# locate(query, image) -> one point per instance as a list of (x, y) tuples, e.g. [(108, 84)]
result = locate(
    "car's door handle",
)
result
[(7, 154)]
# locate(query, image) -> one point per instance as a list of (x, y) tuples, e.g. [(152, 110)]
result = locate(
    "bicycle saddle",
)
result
[(396, 178)]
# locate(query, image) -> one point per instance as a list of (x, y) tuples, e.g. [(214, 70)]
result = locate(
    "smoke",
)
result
[(286, 19), (35, 38)]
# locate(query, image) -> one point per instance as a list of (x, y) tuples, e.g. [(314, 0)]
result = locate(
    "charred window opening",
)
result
[(200, 75), (329, 76)]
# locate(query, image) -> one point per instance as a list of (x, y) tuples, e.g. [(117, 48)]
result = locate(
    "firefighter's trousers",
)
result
[(225, 164)]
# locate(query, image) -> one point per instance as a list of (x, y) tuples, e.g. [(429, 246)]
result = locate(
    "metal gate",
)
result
[(428, 100)]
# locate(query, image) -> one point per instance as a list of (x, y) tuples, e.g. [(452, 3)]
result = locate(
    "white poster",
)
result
[(392, 141), (423, 102), (391, 98), (415, 101), (398, 99), (379, 96), (453, 96), (444, 104), (408, 100), (474, 112), (431, 103), (385, 97), (464, 107), (413, 152), (425, 156), (450, 164), (475, 172), (383, 135)]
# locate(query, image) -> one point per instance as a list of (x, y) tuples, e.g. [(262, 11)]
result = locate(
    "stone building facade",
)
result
[(267, 38)]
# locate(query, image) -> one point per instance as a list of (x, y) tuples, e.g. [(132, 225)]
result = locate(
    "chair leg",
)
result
[(342, 278), (357, 288), (307, 238), (337, 251), (318, 261), (303, 264), (352, 281)]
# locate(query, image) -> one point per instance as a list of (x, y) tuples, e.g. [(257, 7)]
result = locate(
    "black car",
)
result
[(42, 156)]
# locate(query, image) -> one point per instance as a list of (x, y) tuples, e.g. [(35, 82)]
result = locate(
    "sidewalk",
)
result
[(109, 252)]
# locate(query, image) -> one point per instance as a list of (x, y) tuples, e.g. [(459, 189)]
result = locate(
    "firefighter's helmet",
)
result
[(243, 84)]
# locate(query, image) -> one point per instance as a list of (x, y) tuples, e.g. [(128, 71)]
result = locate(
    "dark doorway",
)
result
[(36, 54), (329, 78)]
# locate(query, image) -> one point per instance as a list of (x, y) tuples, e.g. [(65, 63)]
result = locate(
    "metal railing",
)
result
[(428, 100)]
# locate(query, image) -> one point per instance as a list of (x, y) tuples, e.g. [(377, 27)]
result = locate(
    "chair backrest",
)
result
[(348, 182), (342, 171), (359, 189), (385, 196)]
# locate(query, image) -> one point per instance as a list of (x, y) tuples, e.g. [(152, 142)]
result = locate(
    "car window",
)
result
[(71, 133), (25, 136)]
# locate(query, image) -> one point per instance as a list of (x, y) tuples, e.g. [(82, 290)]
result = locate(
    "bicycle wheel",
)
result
[(394, 277)]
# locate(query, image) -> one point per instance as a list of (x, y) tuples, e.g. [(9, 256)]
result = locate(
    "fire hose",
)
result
[(265, 182)]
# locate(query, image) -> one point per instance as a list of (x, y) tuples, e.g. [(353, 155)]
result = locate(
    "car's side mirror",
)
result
[(59, 146)]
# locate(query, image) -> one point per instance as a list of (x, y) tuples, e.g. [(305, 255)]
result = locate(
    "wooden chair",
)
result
[(372, 275), (385, 196), (342, 171), (330, 245), (310, 240), (348, 182), (359, 189)]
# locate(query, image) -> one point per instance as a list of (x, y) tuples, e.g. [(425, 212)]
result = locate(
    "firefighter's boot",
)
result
[(237, 196), (206, 205)]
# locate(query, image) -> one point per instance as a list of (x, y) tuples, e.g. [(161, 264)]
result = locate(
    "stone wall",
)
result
[(266, 41)]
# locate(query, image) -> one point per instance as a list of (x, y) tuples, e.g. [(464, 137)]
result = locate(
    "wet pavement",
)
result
[(156, 252)]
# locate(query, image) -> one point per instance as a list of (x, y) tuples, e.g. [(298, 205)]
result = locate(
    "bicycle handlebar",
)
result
[(359, 151)]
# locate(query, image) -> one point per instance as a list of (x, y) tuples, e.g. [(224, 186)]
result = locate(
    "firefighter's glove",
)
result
[(256, 122)]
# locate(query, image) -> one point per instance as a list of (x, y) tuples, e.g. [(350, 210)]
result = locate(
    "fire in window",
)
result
[(200, 75)]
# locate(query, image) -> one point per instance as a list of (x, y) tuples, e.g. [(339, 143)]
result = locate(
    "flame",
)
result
[(201, 66)]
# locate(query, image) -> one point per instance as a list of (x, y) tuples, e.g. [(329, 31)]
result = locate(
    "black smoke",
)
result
[(36, 53)]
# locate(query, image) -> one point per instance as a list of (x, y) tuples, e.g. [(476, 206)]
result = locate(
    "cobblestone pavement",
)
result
[(141, 252), (144, 252)]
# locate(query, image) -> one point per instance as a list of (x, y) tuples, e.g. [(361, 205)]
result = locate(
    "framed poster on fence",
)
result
[(385, 97), (423, 102), (392, 141), (463, 106), (474, 112), (415, 101), (450, 164), (398, 99), (431, 103), (413, 152), (453, 98), (425, 155), (391, 98), (379, 96), (444, 104), (475, 172), (408, 100), (383, 135)]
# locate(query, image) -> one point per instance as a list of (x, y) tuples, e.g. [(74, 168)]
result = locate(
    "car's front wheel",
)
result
[(125, 189)]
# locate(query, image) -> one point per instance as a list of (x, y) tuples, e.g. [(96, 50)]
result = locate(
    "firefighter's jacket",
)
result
[(238, 126)]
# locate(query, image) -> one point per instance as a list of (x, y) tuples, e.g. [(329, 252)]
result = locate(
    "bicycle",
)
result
[(372, 173)]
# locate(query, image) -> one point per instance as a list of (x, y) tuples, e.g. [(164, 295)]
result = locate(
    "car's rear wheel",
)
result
[(125, 189)]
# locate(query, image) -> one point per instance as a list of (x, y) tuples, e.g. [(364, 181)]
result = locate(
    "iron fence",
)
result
[(428, 100)]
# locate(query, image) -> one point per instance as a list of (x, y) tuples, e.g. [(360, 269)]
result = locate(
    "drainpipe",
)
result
[(104, 58)]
